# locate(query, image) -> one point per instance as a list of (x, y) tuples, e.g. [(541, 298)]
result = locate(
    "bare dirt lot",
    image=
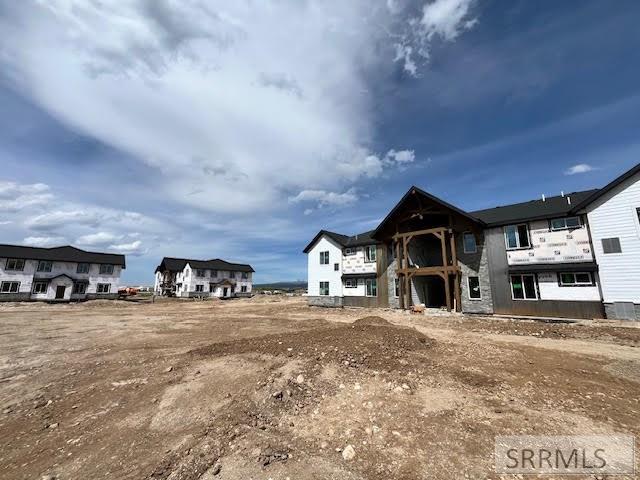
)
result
[(270, 388)]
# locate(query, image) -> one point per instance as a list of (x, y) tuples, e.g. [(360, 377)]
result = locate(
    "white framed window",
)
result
[(324, 258), (106, 269), (336, 267), (245, 275), (577, 279), (396, 287), (565, 223), (103, 288), (243, 289), (350, 283), (523, 287), (474, 288), (201, 272), (349, 251), (212, 287), (79, 288), (370, 253), (516, 236), (82, 268), (324, 288), (371, 287), (611, 245), (10, 287), (469, 242), (214, 273), (39, 287), (16, 264), (44, 266), (200, 288)]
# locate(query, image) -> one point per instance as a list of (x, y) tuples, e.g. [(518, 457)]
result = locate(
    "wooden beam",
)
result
[(458, 293), (422, 271), (416, 233), (454, 261), (445, 262)]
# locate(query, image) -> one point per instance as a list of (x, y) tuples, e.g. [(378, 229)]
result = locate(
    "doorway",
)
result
[(225, 291), (60, 289), (430, 291)]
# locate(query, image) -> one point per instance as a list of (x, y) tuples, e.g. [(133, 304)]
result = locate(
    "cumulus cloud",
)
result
[(400, 157), (134, 248), (323, 198), (15, 196), (221, 97), (99, 238), (579, 168), (44, 241)]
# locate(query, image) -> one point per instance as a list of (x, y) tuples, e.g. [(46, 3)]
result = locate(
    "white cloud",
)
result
[(324, 198), (400, 157), (99, 238), (44, 241), (221, 97), (15, 196), (579, 168), (133, 248)]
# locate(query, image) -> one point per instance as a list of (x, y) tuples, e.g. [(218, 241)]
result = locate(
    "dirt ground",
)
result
[(269, 388)]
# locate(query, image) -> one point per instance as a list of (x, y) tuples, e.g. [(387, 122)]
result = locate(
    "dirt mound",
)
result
[(370, 342)]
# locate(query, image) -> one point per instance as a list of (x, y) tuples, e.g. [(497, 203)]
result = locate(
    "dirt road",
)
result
[(270, 388)]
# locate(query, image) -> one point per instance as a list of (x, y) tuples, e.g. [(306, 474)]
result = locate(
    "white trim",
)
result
[(10, 282), (367, 282), (469, 288), (576, 283), (535, 286), (519, 247)]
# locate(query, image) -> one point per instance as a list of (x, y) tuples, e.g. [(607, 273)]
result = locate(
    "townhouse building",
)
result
[(183, 277), (58, 273), (561, 256)]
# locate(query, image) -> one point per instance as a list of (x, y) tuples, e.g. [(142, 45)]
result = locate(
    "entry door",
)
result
[(225, 291), (60, 291)]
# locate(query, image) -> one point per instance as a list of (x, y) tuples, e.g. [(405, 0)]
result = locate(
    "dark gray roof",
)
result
[(60, 254), (344, 241), (533, 210), (178, 264), (607, 188)]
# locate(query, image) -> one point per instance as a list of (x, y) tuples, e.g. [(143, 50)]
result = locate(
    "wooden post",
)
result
[(445, 262), (399, 275), (407, 279), (454, 261)]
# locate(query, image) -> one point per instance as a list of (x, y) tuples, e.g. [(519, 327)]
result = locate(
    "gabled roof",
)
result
[(606, 189), (178, 264), (418, 191), (60, 254), (344, 241), (533, 210)]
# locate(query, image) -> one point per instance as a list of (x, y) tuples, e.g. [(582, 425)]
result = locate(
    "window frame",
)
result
[(618, 252), (350, 251), (243, 289), (373, 284), (200, 288), (350, 283), (46, 263), (367, 254), (519, 247), (75, 290), (575, 283), (39, 282), (201, 272), (245, 276), (565, 227), (17, 261), (396, 287), (100, 286), (324, 257), (469, 288), (524, 292), (322, 289), (79, 270), (106, 269), (336, 267), (464, 243), (9, 282)]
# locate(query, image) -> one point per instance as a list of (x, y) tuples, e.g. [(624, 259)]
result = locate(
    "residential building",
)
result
[(544, 257), (58, 273), (183, 277), (613, 214)]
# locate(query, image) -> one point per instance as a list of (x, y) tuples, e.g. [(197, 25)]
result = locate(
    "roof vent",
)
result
[(569, 200), (544, 199)]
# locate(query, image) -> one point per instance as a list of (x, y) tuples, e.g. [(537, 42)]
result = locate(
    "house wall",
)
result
[(474, 265), (324, 273), (615, 215), (190, 279), (359, 291), (355, 262)]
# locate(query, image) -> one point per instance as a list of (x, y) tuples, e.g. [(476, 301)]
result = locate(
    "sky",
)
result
[(236, 130)]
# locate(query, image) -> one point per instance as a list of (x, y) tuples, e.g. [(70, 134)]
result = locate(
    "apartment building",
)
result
[(183, 277), (560, 256), (57, 274)]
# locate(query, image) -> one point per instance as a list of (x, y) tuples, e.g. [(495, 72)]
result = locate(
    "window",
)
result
[(82, 268), (201, 272), (350, 283), (324, 258), (516, 236), (336, 267), (106, 270), (79, 288), (243, 289), (397, 287), (9, 287), (565, 223), (576, 279), (611, 245), (39, 287), (200, 288), (372, 287), (214, 273), (104, 288), (324, 287), (44, 266), (474, 288), (469, 242), (212, 287), (523, 287), (370, 253), (245, 276), (15, 264), (349, 251)]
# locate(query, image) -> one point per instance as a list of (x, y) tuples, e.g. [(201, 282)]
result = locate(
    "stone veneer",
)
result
[(324, 301), (475, 265), (394, 302), (610, 312)]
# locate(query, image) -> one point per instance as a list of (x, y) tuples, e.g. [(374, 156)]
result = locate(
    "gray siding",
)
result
[(475, 265)]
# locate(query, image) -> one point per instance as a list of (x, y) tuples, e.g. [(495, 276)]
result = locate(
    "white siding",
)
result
[(317, 273), (614, 215), (359, 291), (551, 290)]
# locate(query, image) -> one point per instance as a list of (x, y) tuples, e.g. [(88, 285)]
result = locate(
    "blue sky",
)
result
[(238, 130)]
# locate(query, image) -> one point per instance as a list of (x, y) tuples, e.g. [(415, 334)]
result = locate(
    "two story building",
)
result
[(560, 256), (58, 273), (182, 277)]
